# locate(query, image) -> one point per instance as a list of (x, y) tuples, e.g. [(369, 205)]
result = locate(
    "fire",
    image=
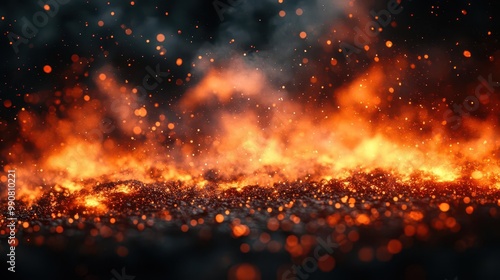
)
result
[(236, 130)]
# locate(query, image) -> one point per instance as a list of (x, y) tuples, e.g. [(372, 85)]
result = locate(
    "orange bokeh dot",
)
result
[(467, 53), (47, 69), (292, 240), (273, 224), (160, 37), (444, 207), (137, 130), (394, 246), (59, 229), (178, 61), (102, 76), (219, 218), (303, 35), (326, 264), (365, 254), (245, 248), (75, 58), (410, 230), (244, 271), (122, 251)]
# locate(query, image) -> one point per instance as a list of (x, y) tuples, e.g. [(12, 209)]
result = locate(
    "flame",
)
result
[(239, 131), (235, 127)]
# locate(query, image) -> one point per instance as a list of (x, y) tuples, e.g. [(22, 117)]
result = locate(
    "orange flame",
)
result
[(237, 130)]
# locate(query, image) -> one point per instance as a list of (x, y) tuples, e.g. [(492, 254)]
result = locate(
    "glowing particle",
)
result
[(102, 76), (122, 251), (137, 130), (47, 69), (410, 230), (299, 11), (219, 218), (171, 126), (7, 103), (100, 23), (282, 13), (388, 44), (160, 37), (394, 246), (240, 230), (303, 35), (178, 62), (444, 207), (75, 58), (363, 219), (128, 31), (467, 53), (273, 224), (244, 271), (326, 263), (59, 229), (245, 248), (365, 254)]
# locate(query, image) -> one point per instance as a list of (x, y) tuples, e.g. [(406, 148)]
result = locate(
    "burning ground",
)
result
[(380, 227)]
